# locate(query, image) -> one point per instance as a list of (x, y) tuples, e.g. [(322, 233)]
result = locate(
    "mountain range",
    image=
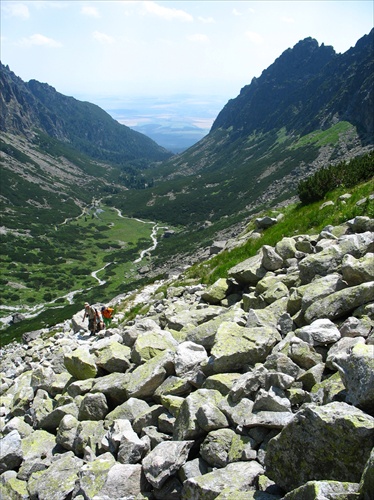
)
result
[(312, 107)]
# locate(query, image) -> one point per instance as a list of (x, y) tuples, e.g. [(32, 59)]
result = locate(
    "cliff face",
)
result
[(28, 107), (259, 386), (308, 87)]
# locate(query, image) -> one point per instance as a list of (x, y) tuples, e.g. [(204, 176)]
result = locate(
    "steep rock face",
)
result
[(27, 107), (20, 110), (288, 413), (307, 88)]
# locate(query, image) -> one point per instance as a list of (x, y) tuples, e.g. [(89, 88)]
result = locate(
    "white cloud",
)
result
[(254, 37), (236, 12), (102, 37), (39, 40), (166, 12), (90, 11), (16, 10), (198, 37), (206, 20)]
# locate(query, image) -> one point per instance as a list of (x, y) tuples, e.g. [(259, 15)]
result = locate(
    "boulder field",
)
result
[(260, 386)]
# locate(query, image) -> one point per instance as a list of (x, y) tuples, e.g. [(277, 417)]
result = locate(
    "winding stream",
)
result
[(29, 312)]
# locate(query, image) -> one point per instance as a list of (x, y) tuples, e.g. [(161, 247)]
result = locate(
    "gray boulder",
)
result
[(248, 272), (148, 344), (58, 480), (286, 248), (367, 479), (265, 222), (216, 292), (341, 350), (11, 453), (325, 490), (236, 346), (188, 358), (131, 448), (128, 410), (93, 476), (186, 424), (224, 446), (80, 364), (271, 261), (165, 460), (357, 271), (356, 327), (320, 332), (145, 379), (113, 358), (347, 434), (210, 417), (93, 407), (123, 481), (357, 372), (113, 386), (236, 476), (340, 303)]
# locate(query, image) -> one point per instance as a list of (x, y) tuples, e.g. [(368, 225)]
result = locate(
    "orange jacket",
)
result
[(107, 312)]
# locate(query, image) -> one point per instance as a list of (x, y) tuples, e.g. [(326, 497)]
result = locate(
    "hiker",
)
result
[(107, 313), (99, 321), (90, 313)]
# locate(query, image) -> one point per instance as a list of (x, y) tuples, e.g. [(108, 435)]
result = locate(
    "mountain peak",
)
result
[(304, 89)]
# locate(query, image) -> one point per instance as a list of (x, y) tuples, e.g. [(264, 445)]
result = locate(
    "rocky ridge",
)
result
[(260, 386)]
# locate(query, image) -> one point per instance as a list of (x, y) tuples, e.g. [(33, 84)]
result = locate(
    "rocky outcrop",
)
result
[(260, 386)]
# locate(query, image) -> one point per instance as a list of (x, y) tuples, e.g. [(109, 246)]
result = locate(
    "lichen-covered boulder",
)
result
[(93, 407), (37, 449), (303, 354), (357, 271), (236, 476), (128, 410), (324, 490), (186, 424), (164, 460), (148, 344), (204, 334), (224, 446), (303, 296), (286, 248), (222, 382), (58, 480), (124, 481), (67, 431), (236, 346), (145, 379), (113, 358), (321, 442), (210, 417), (125, 443), (367, 479), (340, 303), (178, 316), (357, 372), (93, 475), (216, 292), (325, 262), (89, 433), (248, 272), (13, 488), (80, 364), (114, 386)]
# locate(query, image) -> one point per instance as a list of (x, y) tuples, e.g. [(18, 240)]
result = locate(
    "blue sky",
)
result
[(97, 49)]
